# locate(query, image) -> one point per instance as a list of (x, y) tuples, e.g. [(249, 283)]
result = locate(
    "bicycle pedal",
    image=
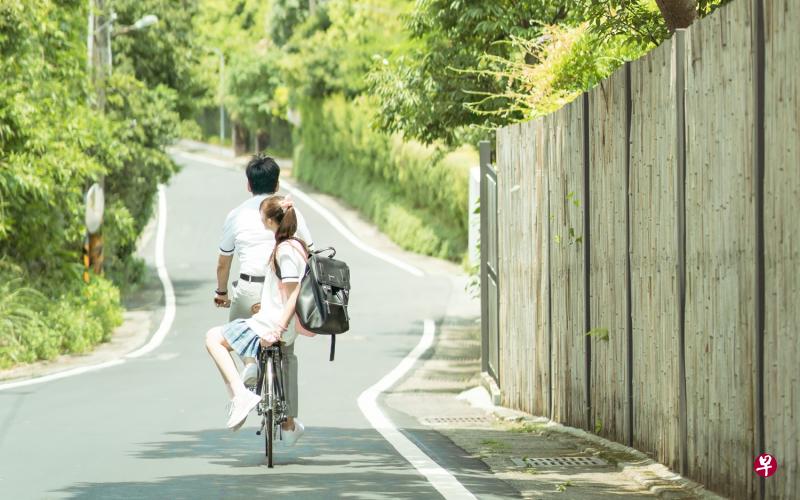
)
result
[(258, 433)]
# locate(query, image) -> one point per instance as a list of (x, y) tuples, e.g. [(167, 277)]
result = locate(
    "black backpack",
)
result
[(324, 295)]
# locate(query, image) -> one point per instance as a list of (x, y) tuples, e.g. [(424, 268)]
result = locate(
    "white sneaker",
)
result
[(250, 374), (289, 438), (241, 406), (229, 411)]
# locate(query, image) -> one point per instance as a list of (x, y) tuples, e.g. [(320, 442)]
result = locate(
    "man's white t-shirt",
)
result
[(292, 263), (245, 234)]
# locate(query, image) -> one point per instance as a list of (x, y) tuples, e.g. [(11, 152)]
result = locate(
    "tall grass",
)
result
[(39, 326)]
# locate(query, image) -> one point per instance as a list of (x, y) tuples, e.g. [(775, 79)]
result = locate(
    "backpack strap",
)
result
[(333, 346), (293, 243)]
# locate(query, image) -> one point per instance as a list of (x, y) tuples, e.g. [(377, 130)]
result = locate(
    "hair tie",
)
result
[(287, 203)]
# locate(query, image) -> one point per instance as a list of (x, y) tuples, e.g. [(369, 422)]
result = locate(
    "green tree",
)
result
[(48, 140), (52, 147), (462, 70), (546, 73), (257, 97), (145, 122), (166, 53), (424, 92), (284, 17), (333, 51), (46, 130)]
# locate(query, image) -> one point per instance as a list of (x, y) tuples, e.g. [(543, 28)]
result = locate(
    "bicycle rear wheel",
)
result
[(269, 438), (269, 417)]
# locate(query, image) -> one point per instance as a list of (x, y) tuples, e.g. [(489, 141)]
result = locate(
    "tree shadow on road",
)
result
[(264, 484), (326, 463), (325, 446)]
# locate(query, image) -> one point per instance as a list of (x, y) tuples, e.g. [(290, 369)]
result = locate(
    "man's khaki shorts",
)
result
[(245, 295)]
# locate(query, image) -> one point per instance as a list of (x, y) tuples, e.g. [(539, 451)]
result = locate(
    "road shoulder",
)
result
[(444, 395)]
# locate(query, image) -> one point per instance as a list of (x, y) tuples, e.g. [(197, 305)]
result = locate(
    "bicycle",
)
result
[(272, 407)]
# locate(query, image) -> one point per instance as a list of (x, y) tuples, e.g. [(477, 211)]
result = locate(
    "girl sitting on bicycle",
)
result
[(274, 322)]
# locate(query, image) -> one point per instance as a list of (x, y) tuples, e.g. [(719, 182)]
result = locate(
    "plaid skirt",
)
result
[(242, 339)]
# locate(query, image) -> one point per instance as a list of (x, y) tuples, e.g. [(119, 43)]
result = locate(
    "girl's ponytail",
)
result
[(281, 210)]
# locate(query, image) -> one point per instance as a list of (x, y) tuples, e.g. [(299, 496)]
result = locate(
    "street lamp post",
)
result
[(98, 40), (99, 48), (101, 30)]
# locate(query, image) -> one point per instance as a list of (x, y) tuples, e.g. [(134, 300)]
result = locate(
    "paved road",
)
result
[(153, 427)]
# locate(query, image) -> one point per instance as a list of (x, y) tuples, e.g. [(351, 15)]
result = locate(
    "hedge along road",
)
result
[(153, 427)]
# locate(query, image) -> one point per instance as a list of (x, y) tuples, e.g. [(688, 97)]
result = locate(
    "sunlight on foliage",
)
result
[(546, 73)]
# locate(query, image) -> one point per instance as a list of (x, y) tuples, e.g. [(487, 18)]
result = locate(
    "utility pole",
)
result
[(221, 94), (99, 60), (222, 98)]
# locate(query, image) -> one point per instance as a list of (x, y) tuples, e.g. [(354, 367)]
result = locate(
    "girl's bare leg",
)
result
[(218, 348)]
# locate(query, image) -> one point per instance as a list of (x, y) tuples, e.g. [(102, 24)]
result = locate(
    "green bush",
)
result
[(76, 330), (53, 146), (100, 298), (35, 327), (136, 161), (416, 194)]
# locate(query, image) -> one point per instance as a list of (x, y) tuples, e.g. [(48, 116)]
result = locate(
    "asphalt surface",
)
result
[(153, 427)]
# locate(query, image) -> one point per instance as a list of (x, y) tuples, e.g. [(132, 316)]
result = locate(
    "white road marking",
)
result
[(163, 275), (167, 356), (59, 375), (444, 482), (205, 159)]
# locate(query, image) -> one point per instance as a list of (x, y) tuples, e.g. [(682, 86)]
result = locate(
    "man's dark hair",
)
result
[(262, 174)]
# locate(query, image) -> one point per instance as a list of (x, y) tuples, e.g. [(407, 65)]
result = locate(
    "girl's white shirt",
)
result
[(292, 264)]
